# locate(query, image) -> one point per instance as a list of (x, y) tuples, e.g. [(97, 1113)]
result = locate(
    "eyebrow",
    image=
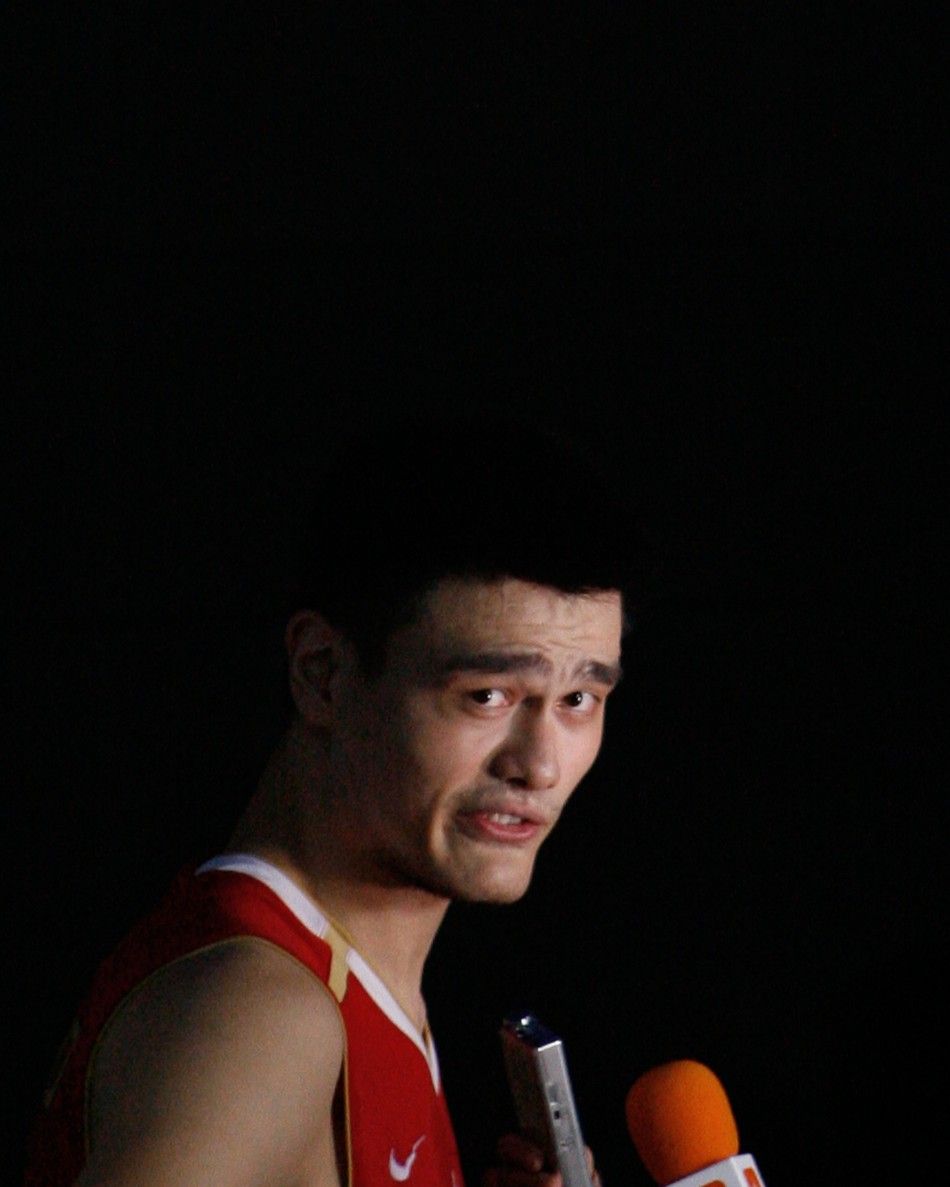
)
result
[(504, 662)]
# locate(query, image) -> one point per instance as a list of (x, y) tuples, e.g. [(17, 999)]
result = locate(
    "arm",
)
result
[(220, 1069)]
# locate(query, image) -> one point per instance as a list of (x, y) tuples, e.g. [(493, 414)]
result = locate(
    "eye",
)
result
[(491, 698), (585, 702)]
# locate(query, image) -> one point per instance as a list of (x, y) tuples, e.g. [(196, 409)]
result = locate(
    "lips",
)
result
[(507, 825)]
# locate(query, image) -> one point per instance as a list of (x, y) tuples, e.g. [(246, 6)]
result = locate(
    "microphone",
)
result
[(682, 1125)]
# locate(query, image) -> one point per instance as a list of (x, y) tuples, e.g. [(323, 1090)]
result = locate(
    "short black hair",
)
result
[(402, 507)]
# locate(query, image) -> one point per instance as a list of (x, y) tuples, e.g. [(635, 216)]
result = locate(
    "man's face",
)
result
[(459, 758)]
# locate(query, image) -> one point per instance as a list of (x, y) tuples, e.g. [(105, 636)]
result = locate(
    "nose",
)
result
[(528, 758)]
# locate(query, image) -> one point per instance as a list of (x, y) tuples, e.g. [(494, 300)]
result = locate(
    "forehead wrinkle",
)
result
[(511, 626)]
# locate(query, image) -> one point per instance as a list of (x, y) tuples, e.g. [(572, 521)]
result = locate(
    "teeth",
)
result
[(504, 818)]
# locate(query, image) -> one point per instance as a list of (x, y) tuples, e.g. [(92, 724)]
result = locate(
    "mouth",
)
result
[(500, 827)]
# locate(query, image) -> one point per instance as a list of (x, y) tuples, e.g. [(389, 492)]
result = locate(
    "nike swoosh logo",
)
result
[(401, 1171)]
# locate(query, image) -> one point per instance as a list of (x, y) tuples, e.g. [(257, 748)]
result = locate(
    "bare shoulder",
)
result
[(222, 1068)]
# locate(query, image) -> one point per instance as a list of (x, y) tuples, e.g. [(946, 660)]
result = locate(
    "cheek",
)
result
[(450, 751), (583, 752)]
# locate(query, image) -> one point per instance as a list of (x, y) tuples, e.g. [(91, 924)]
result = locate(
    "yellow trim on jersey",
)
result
[(339, 969)]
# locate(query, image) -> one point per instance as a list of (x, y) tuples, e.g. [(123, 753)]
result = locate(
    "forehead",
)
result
[(514, 614)]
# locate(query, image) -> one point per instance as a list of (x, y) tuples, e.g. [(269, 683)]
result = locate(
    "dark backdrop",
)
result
[(702, 244)]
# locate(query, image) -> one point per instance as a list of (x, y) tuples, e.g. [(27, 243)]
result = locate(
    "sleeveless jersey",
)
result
[(397, 1124)]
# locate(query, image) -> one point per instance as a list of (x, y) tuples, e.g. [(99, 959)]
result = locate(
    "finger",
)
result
[(591, 1169), (518, 1151)]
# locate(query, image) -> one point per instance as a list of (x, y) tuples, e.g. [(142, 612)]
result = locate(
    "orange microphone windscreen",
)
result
[(680, 1120)]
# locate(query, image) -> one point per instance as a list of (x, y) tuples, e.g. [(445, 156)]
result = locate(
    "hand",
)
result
[(522, 1165)]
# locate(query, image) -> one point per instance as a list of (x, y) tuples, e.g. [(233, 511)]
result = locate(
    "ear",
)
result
[(314, 654)]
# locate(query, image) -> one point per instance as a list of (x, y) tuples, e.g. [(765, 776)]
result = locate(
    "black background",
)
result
[(704, 243)]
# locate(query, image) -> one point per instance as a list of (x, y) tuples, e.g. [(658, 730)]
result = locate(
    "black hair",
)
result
[(402, 507)]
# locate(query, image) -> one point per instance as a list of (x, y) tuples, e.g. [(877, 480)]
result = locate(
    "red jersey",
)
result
[(397, 1123)]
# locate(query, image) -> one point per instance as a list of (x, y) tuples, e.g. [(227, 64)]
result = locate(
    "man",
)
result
[(461, 634)]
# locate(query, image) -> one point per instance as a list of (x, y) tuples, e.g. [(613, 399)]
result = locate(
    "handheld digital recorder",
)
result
[(542, 1096)]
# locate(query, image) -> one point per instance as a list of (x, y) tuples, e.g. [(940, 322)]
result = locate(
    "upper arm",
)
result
[(220, 1069)]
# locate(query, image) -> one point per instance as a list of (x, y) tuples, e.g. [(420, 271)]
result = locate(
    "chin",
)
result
[(495, 888), (498, 898), (468, 881)]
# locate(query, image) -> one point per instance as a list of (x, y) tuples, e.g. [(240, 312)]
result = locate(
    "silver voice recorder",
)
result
[(543, 1100)]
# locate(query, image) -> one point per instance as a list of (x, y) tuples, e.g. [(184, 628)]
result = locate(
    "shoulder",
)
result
[(232, 1052), (226, 993)]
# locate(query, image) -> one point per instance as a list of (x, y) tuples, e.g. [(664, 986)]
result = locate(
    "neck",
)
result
[(297, 822)]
